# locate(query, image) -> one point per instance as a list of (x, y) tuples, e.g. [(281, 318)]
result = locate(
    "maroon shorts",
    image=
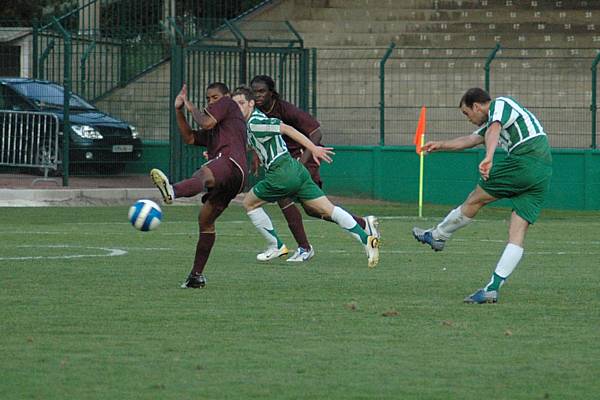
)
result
[(313, 169), (229, 181)]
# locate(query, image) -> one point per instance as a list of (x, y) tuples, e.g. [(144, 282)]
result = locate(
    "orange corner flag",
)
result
[(420, 132)]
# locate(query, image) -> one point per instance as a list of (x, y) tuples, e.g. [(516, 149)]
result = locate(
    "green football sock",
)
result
[(360, 232), (494, 283)]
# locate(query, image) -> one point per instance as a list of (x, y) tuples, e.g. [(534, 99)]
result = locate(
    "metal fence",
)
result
[(373, 96), (29, 139), (199, 65)]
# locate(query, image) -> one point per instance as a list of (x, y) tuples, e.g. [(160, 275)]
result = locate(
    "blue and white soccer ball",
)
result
[(145, 215)]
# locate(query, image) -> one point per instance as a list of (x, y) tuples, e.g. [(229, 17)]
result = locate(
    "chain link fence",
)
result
[(373, 96)]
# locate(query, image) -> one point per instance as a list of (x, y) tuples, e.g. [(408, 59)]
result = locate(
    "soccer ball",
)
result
[(145, 215)]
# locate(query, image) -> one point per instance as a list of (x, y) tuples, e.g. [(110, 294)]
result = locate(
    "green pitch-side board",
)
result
[(392, 173)]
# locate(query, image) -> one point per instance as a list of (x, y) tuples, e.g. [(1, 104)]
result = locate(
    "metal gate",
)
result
[(198, 66), (29, 139)]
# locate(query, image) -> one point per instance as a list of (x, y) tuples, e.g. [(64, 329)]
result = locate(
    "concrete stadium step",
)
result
[(426, 4), (450, 40), (442, 15), (329, 27), (458, 4), (338, 57)]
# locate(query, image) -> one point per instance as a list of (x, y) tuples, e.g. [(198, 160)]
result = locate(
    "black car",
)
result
[(97, 139)]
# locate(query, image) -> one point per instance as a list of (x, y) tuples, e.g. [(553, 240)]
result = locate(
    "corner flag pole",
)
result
[(419, 142), (421, 168)]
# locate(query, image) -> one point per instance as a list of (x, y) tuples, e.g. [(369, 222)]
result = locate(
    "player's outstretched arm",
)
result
[(203, 119), (459, 143), (315, 137), (318, 152), (184, 128)]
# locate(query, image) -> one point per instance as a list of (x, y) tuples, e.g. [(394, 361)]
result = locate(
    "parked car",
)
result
[(97, 139)]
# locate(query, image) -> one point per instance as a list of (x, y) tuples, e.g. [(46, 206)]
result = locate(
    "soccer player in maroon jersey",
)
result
[(269, 102), (223, 132)]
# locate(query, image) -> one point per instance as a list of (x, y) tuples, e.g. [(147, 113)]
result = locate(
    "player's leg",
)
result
[(526, 210), (202, 180), (293, 217), (223, 181), (369, 223), (276, 248), (512, 254), (207, 235), (322, 207), (457, 218)]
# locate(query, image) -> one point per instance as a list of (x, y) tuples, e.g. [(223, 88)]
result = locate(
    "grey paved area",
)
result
[(20, 190)]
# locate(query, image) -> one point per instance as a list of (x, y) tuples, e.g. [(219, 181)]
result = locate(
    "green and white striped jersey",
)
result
[(518, 123), (264, 136)]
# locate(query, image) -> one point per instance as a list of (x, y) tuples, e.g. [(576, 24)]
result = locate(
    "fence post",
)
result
[(66, 100), (594, 105), (304, 74), (175, 142), (314, 81), (488, 61), (387, 55), (35, 38), (84, 57), (243, 44)]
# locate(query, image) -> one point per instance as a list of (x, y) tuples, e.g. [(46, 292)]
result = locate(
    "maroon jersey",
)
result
[(291, 115), (228, 137)]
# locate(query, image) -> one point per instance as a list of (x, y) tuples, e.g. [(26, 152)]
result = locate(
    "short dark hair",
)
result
[(220, 86), (245, 91), (267, 80), (474, 95)]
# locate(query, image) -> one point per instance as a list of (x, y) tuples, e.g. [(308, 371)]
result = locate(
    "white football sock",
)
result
[(345, 220), (509, 260), (263, 223), (453, 221)]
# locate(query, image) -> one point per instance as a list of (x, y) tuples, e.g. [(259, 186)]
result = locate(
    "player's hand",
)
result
[(181, 98), (484, 168), (430, 147), (323, 153), (205, 155)]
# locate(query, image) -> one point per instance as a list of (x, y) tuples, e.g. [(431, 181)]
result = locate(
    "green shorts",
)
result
[(522, 179), (287, 177)]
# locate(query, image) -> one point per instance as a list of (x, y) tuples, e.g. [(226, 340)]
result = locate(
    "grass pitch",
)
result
[(91, 310)]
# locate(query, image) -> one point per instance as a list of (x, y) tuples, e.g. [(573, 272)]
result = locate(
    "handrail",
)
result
[(387, 55), (488, 62)]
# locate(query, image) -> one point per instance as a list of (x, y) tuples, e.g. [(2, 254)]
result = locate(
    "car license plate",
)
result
[(122, 148)]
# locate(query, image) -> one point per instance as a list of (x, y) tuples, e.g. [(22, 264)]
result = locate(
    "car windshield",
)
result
[(49, 95)]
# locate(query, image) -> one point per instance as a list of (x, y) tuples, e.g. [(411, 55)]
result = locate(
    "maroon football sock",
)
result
[(360, 221), (294, 219), (203, 247), (188, 187)]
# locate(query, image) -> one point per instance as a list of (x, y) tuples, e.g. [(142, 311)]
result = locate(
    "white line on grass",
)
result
[(109, 252)]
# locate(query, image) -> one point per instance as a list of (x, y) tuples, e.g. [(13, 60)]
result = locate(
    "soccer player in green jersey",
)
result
[(287, 177), (523, 177)]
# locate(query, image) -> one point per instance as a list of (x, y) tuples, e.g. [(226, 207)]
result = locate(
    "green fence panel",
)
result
[(201, 65), (392, 173)]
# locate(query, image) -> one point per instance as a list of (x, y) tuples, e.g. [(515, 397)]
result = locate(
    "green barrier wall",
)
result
[(392, 173)]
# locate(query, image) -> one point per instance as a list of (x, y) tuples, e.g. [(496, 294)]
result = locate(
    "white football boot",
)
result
[(272, 252), (372, 249), (302, 254), (162, 183), (372, 226)]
